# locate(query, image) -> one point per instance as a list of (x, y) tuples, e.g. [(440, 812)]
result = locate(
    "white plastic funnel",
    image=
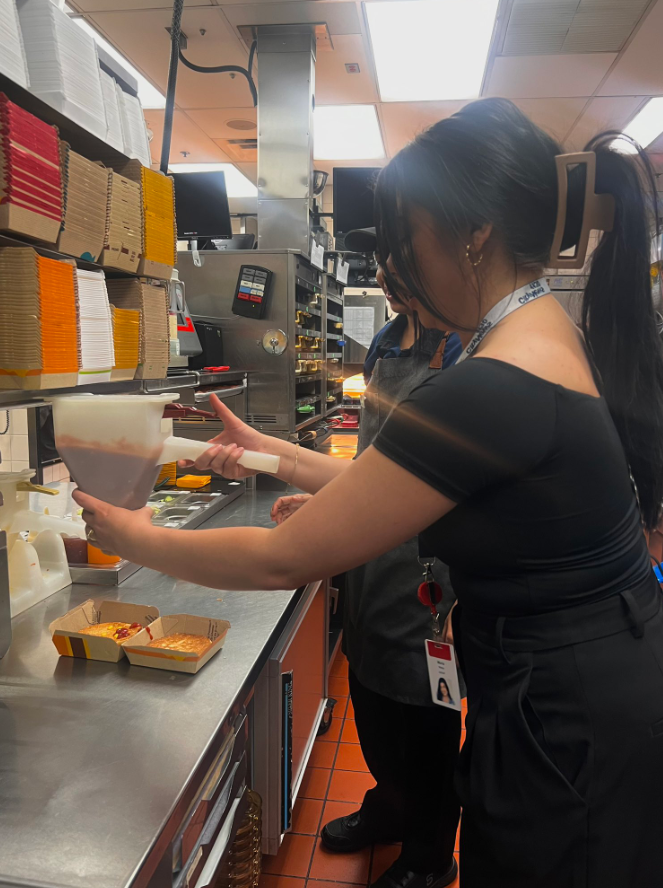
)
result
[(113, 445)]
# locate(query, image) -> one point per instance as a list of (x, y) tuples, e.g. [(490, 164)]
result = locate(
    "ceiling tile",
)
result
[(639, 70), (214, 121), (341, 17), (186, 137), (402, 121), (142, 37), (333, 84), (599, 115), (548, 76), (555, 116)]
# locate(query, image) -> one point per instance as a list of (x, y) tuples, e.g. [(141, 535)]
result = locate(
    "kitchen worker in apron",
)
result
[(384, 631)]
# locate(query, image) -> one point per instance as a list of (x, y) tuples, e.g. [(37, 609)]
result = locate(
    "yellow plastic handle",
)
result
[(36, 488)]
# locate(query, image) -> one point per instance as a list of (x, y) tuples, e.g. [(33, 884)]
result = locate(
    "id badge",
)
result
[(443, 674)]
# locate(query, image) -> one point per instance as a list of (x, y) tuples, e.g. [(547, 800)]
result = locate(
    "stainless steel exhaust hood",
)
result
[(286, 91)]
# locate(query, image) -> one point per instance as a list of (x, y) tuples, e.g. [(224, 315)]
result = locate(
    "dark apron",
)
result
[(561, 774), (385, 626)]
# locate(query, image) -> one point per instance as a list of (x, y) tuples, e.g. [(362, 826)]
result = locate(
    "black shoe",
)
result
[(351, 833), (398, 876)]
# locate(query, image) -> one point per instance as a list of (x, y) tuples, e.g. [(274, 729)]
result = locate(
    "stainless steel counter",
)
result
[(94, 756)]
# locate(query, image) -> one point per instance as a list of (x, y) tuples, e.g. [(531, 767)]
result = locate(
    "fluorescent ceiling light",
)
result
[(237, 185), (430, 50), (347, 132), (645, 128), (149, 95)]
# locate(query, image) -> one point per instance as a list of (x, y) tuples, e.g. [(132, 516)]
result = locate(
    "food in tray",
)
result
[(182, 641), (119, 632)]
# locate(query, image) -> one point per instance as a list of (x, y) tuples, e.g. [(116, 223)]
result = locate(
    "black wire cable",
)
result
[(175, 30), (227, 69)]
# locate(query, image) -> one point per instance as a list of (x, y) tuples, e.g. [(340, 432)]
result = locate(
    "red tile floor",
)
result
[(334, 784)]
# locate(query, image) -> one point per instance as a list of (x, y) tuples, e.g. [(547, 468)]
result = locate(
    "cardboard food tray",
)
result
[(19, 220), (71, 642), (140, 654)]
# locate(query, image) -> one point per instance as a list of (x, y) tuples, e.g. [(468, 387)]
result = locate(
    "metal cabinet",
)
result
[(288, 705)]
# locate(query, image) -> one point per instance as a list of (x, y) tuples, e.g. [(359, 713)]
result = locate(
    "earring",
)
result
[(478, 261)]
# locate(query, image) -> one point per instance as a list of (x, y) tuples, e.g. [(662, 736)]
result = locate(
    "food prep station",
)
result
[(115, 775)]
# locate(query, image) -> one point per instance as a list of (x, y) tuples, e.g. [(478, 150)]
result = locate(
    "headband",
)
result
[(598, 209)]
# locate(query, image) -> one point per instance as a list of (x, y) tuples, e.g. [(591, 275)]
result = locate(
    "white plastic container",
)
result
[(37, 565), (113, 445)]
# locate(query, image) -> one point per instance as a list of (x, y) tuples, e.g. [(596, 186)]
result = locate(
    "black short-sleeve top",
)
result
[(546, 515)]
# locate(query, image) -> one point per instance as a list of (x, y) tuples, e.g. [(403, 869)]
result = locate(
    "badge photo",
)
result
[(443, 674)]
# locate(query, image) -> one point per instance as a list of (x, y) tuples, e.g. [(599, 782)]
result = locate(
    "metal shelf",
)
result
[(314, 417), (335, 390), (310, 355), (335, 336), (305, 401), (336, 355), (49, 252), (310, 309), (336, 299), (20, 398), (314, 377), (306, 331)]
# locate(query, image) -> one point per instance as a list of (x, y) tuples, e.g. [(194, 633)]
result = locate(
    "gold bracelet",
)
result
[(294, 471)]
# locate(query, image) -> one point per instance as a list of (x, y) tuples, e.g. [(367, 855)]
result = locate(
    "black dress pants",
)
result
[(411, 751)]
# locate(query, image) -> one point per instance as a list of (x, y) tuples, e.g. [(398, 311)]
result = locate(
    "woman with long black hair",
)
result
[(515, 467)]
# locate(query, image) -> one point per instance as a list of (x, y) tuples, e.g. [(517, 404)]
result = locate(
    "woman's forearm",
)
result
[(312, 470), (233, 558)]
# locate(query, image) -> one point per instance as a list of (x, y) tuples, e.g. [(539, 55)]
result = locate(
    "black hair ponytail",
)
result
[(490, 163), (619, 320)]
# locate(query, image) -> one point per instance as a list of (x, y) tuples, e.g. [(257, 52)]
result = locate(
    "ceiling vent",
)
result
[(538, 27), (242, 150), (237, 123)]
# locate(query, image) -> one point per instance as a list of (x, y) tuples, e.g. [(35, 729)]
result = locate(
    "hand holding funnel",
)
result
[(114, 445)]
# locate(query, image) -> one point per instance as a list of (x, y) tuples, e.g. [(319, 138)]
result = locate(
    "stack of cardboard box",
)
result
[(126, 337), (95, 328), (123, 240), (30, 181), (158, 256), (39, 345), (153, 303), (85, 187)]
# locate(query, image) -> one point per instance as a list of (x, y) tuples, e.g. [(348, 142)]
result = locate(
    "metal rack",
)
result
[(334, 343)]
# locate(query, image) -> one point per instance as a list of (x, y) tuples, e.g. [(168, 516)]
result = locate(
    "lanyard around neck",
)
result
[(505, 307)]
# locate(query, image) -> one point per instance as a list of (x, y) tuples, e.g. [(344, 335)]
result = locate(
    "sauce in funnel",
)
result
[(114, 445)]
